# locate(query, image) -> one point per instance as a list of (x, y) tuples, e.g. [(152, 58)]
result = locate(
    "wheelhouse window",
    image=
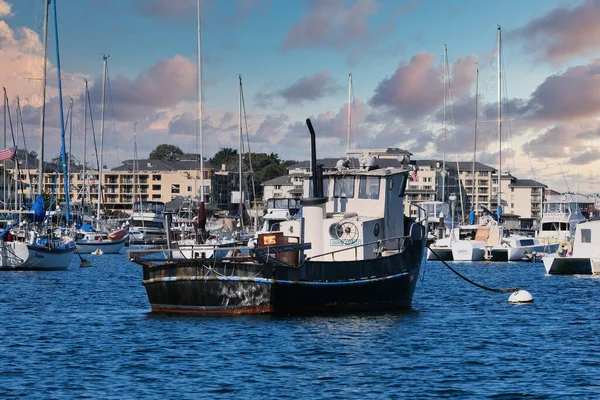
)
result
[(586, 236), (368, 187), (343, 187), (402, 188)]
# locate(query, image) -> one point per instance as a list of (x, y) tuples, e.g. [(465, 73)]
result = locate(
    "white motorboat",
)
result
[(89, 241), (582, 256), (560, 218)]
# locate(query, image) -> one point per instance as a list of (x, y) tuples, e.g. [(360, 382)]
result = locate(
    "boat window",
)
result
[(586, 236), (344, 187), (326, 187), (368, 187), (526, 242), (402, 184), (554, 226)]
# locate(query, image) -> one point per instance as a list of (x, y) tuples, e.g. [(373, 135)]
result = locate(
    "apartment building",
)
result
[(144, 180)]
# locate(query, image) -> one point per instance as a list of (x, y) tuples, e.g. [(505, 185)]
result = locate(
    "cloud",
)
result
[(556, 142), (164, 85), (329, 23), (271, 128), (309, 88), (585, 158), (563, 33), (572, 95), (166, 9), (416, 89), (5, 9)]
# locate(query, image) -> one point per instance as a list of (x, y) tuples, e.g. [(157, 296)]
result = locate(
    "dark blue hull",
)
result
[(226, 287)]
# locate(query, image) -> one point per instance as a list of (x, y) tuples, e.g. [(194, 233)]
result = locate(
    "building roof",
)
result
[(280, 180), (186, 164), (526, 183), (468, 166)]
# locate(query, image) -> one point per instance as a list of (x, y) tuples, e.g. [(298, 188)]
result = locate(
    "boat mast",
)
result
[(240, 151), (349, 109), (43, 116), (70, 137), (135, 155), (5, 98), (200, 133), (62, 123), (499, 207), (101, 166), (444, 154), (475, 138), (85, 91)]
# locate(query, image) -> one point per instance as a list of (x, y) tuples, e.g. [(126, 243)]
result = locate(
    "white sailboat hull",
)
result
[(468, 250), (43, 258), (107, 246)]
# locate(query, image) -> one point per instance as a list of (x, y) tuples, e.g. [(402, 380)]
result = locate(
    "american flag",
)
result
[(8, 154), (414, 176)]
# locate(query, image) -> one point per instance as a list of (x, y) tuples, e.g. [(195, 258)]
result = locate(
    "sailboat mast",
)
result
[(70, 137), (499, 119), (349, 108), (85, 91), (62, 123), (240, 155), (5, 99), (101, 166), (43, 114), (475, 137), (135, 157), (444, 154), (200, 133)]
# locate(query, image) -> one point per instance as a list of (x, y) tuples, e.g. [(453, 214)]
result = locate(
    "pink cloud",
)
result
[(414, 89), (572, 95), (309, 88), (330, 23), (563, 33), (5, 9), (164, 85)]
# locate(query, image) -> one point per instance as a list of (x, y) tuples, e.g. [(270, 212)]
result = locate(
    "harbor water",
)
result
[(89, 333)]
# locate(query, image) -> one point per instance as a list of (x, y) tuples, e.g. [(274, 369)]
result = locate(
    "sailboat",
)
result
[(89, 239), (31, 245)]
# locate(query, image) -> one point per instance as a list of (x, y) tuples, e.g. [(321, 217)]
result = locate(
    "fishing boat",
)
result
[(579, 257), (147, 223), (560, 218), (350, 250)]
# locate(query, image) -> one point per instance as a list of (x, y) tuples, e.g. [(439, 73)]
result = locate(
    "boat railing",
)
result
[(400, 245)]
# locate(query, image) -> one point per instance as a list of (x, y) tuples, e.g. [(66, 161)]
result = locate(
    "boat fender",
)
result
[(565, 248)]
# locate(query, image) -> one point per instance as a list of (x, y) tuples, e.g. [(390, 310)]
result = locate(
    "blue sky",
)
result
[(295, 57)]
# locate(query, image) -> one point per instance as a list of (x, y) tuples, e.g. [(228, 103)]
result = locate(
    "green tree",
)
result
[(227, 156), (33, 154), (167, 152)]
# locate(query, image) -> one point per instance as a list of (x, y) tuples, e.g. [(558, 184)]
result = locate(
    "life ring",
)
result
[(565, 248)]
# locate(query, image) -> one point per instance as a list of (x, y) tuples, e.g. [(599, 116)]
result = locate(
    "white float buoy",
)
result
[(520, 296)]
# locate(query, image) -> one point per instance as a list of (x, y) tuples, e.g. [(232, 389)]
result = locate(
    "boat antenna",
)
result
[(349, 112), (565, 179)]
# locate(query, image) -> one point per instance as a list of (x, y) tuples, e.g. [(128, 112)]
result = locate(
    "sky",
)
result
[(294, 58)]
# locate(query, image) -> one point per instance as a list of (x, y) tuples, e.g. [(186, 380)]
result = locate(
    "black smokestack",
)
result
[(317, 170)]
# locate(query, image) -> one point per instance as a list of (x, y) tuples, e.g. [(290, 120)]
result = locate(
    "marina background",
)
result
[(89, 332)]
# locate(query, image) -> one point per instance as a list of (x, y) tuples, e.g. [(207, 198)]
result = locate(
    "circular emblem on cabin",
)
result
[(376, 230)]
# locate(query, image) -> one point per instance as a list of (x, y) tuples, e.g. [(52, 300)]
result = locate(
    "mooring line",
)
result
[(507, 290)]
